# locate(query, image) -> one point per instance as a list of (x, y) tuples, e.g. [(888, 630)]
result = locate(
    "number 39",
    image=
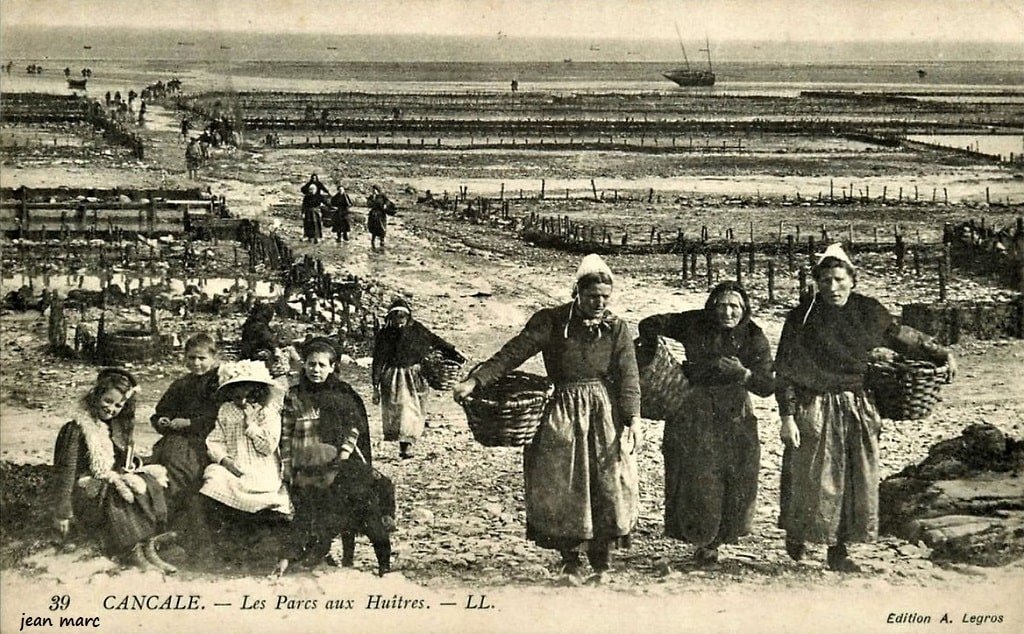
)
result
[(59, 602)]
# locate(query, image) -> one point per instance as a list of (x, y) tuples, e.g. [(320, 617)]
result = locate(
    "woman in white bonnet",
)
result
[(830, 425), (580, 470)]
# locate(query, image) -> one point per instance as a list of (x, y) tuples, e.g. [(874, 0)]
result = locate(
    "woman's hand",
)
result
[(732, 368), (229, 464), (951, 364), (789, 433), (464, 388)]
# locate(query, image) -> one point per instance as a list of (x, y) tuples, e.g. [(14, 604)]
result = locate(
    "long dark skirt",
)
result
[(312, 223), (829, 488), (580, 488), (712, 456), (122, 524), (185, 458)]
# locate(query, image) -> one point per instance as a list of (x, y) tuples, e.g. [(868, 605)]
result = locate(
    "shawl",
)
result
[(825, 348)]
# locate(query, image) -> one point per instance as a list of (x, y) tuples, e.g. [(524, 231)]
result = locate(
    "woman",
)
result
[(579, 472), (398, 353), (377, 217), (340, 204), (314, 194), (712, 453), (98, 480), (245, 472), (830, 425)]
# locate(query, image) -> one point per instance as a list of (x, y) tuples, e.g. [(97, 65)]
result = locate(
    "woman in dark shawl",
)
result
[(712, 453), (830, 424), (398, 353)]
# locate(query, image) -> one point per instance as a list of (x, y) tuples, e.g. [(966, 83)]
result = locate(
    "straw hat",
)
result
[(243, 371)]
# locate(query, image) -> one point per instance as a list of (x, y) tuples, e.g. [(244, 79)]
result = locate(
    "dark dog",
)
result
[(349, 499)]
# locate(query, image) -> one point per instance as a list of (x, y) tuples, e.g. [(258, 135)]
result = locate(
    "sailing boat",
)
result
[(685, 76)]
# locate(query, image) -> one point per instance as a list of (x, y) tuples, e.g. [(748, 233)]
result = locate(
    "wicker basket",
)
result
[(440, 372), (905, 389), (663, 386), (508, 412)]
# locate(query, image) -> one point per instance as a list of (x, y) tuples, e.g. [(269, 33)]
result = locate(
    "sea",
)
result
[(121, 59)]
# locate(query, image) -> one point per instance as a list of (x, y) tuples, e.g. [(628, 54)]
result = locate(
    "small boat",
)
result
[(686, 76), (87, 47), (224, 48), (77, 84), (567, 60), (332, 48)]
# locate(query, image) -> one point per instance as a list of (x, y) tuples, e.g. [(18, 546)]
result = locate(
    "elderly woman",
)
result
[(580, 471), (712, 453), (398, 353), (830, 425)]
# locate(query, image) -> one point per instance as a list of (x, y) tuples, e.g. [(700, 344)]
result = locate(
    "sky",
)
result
[(769, 20)]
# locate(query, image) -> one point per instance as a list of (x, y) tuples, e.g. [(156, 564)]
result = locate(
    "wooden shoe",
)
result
[(154, 558)]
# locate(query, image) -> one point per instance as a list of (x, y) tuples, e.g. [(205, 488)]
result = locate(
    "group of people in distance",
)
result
[(237, 440), (239, 444), (317, 200)]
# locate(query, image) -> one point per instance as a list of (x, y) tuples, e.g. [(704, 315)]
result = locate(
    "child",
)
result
[(98, 480), (245, 472), (324, 422), (398, 352), (185, 416)]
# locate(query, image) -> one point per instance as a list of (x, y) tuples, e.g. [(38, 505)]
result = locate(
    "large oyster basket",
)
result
[(663, 385), (441, 371), (905, 389), (508, 412)]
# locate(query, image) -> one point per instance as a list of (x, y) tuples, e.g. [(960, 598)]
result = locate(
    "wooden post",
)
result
[(593, 188), (789, 252), (542, 184), (710, 268), (917, 260), (942, 283), (739, 266), (771, 281), (501, 195)]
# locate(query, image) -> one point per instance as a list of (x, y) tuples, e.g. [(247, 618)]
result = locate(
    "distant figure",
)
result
[(186, 125), (10, 65), (313, 194), (67, 72), (377, 218), (142, 111), (192, 154), (515, 85), (106, 99), (340, 205)]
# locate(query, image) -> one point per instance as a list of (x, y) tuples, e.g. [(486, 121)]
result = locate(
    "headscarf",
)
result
[(590, 265), (729, 286)]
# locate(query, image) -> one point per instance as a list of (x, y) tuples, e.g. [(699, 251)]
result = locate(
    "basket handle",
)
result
[(471, 370)]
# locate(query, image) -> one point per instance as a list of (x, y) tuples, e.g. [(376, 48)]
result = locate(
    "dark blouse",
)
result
[(406, 346), (192, 397), (328, 411), (826, 348), (580, 356), (71, 461), (706, 342)]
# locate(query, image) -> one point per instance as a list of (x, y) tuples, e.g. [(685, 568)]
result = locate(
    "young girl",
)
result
[(98, 480), (245, 472), (398, 352), (324, 420)]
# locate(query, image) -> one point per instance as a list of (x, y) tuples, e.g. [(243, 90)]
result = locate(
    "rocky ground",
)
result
[(461, 519)]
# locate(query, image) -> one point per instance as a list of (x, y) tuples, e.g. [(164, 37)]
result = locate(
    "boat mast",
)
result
[(707, 48), (681, 47)]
